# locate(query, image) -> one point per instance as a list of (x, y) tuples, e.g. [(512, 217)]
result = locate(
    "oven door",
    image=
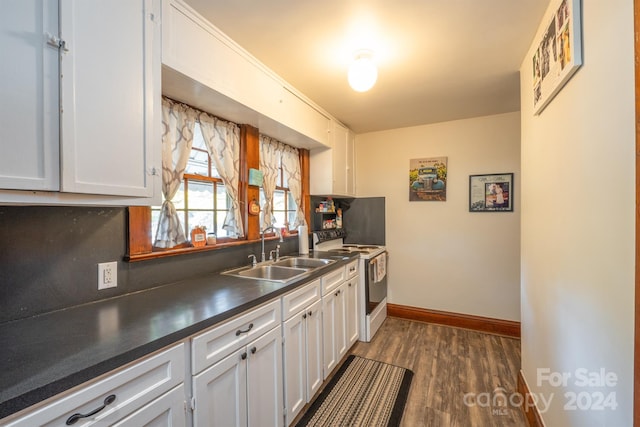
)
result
[(375, 292)]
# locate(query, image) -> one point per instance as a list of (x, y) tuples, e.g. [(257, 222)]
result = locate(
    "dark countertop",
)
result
[(47, 354)]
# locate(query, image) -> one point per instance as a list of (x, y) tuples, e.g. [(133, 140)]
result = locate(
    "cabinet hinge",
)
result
[(57, 42), (193, 403)]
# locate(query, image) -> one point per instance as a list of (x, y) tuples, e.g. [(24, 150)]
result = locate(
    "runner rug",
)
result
[(362, 393)]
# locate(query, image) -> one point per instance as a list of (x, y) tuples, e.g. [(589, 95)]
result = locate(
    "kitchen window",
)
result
[(280, 194), (284, 205), (202, 199)]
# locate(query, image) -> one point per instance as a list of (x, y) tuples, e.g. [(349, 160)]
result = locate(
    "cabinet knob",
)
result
[(304, 316), (310, 313), (243, 355), (253, 350)]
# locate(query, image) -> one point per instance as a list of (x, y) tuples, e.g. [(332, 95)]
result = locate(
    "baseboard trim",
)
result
[(531, 413), (483, 324)]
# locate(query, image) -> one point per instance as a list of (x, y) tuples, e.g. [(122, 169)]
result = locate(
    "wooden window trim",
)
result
[(139, 239)]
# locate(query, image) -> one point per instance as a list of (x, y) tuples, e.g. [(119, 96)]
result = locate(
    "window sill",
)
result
[(164, 253)]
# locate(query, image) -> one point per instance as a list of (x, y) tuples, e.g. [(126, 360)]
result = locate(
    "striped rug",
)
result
[(364, 393)]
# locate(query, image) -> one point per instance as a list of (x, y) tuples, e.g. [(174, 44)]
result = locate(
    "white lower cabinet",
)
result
[(245, 387), (351, 312), (302, 358), (334, 319), (146, 393)]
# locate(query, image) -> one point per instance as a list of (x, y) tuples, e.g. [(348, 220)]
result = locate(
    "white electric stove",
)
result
[(373, 283)]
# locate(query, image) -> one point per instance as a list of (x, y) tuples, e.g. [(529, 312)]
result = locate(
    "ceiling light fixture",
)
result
[(363, 72)]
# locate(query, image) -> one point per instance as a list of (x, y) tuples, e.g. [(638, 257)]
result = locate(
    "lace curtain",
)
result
[(293, 175), (223, 143), (272, 152), (178, 121), (269, 165)]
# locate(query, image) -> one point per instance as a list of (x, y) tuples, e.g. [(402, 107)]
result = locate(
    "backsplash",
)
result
[(49, 257), (363, 218)]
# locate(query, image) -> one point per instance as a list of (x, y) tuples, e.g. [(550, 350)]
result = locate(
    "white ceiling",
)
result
[(438, 60)]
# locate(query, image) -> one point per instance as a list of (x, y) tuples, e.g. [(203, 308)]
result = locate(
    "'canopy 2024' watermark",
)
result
[(590, 391)]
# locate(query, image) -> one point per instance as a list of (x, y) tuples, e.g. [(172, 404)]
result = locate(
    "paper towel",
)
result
[(303, 240)]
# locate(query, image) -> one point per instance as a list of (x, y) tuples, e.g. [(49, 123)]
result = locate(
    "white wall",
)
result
[(578, 202), (442, 256)]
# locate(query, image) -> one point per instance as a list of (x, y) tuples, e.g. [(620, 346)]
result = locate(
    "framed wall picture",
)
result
[(428, 179), (558, 54), (491, 193)]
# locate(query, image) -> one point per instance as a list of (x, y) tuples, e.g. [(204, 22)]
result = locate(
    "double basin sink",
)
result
[(285, 270)]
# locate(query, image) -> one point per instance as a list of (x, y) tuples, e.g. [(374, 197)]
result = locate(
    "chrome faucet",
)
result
[(253, 260), (271, 227), (275, 251)]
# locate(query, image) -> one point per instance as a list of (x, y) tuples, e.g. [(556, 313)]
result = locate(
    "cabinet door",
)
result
[(109, 94), (295, 365), (220, 393), (340, 134), (329, 331), (264, 380), (341, 321), (29, 87), (167, 410), (314, 349), (350, 160), (353, 318)]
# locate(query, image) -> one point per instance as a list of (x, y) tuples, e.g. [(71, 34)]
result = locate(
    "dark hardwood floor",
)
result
[(449, 364)]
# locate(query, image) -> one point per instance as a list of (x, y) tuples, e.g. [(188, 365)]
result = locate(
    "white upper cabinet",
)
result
[(202, 66), (85, 118), (333, 170), (107, 96), (29, 86)]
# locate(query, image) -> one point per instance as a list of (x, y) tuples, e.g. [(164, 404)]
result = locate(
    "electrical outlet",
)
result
[(107, 275)]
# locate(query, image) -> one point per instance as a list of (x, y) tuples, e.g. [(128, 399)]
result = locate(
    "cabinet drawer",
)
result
[(300, 298), (133, 387), (351, 269), (168, 410), (218, 342), (332, 280)]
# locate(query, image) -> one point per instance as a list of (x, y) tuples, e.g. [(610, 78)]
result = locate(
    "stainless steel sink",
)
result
[(301, 262), (286, 270), (272, 272)]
